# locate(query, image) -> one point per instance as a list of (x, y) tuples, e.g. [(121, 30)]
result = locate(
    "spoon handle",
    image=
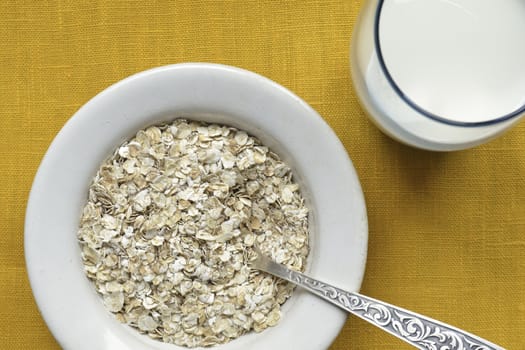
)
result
[(418, 330)]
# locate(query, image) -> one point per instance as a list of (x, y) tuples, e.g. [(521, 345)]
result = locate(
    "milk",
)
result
[(441, 74)]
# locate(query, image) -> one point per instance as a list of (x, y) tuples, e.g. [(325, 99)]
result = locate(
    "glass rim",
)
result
[(413, 104)]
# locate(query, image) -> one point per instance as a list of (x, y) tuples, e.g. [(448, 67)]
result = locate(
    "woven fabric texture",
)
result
[(447, 230)]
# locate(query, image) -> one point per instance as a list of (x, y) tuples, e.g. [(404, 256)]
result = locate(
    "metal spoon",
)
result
[(417, 330)]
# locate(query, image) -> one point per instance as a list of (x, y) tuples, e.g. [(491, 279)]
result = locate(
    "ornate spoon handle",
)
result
[(415, 329)]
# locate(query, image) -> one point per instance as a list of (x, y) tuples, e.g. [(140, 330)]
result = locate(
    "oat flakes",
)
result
[(168, 228)]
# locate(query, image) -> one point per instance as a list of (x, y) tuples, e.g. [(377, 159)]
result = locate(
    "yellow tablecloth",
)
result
[(447, 231)]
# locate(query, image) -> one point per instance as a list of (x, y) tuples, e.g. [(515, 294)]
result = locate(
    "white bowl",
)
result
[(209, 92)]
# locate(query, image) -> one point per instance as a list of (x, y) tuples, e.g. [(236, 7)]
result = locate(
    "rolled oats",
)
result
[(168, 228)]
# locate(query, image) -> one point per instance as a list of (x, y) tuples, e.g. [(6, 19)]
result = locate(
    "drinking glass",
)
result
[(441, 75)]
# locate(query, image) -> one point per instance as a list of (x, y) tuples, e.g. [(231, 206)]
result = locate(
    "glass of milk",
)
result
[(441, 75)]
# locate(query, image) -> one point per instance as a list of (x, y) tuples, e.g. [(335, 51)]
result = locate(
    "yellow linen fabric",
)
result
[(447, 231)]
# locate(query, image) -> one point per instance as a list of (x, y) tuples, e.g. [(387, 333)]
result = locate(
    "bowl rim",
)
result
[(43, 263)]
